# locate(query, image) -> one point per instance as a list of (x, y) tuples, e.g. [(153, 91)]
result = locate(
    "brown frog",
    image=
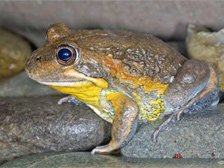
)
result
[(124, 77)]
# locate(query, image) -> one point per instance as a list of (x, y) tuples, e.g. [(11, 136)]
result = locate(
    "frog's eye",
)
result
[(66, 54)]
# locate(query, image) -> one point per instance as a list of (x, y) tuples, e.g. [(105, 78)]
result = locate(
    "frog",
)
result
[(125, 77)]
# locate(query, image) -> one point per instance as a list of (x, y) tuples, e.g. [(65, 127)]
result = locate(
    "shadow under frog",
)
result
[(122, 76)]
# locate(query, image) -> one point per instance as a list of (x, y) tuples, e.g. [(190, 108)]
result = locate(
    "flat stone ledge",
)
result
[(196, 135), (85, 159)]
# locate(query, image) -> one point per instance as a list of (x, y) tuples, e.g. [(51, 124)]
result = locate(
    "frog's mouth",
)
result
[(66, 83), (81, 80)]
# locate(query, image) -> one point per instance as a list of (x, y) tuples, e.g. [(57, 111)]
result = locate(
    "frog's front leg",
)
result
[(69, 99), (194, 87), (124, 124)]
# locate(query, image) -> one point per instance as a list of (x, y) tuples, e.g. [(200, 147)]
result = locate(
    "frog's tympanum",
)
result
[(124, 77)]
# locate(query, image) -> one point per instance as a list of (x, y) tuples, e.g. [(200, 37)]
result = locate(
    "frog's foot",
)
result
[(69, 99), (124, 124), (172, 118), (103, 149), (195, 87)]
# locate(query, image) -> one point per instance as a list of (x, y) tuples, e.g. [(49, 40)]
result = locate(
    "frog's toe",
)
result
[(101, 149), (179, 115), (69, 99), (165, 114), (65, 99)]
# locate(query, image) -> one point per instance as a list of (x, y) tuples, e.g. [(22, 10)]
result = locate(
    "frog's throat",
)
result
[(99, 82)]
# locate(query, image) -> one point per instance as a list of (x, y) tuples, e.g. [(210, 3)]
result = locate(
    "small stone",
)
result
[(207, 46), (14, 52), (40, 125)]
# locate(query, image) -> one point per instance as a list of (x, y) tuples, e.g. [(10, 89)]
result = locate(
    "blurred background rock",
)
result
[(167, 20), (207, 46)]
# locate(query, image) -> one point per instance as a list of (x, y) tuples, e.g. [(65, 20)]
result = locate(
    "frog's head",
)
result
[(65, 61)]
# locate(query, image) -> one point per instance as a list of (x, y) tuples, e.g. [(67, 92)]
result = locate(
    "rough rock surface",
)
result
[(14, 52), (81, 159), (196, 135), (22, 85), (205, 45), (34, 125)]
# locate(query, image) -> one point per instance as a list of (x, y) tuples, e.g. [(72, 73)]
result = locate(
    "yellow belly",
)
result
[(98, 100)]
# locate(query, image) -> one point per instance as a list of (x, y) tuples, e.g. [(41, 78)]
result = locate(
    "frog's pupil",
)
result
[(64, 54)]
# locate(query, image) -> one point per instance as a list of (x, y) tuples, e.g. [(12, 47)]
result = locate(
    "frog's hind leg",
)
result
[(195, 87)]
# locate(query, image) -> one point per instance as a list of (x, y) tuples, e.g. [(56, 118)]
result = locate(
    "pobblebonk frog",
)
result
[(124, 77)]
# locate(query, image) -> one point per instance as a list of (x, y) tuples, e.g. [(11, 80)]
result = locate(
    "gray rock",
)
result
[(196, 135), (14, 52), (81, 159), (22, 85), (207, 46), (37, 125), (167, 20)]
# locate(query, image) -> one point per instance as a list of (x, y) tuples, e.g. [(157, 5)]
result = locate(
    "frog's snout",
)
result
[(27, 67), (32, 63)]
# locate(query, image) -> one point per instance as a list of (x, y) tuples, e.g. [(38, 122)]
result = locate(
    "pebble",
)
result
[(207, 46), (14, 52)]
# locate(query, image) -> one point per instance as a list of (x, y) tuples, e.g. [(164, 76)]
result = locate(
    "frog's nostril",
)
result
[(38, 58)]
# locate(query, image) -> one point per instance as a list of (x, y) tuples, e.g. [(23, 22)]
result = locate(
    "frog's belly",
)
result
[(151, 105)]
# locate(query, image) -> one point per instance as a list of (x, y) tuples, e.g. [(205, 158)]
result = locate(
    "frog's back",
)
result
[(136, 64), (142, 54)]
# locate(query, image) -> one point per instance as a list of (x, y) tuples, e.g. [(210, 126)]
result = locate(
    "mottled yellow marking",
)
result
[(158, 101), (137, 97), (118, 69), (154, 108)]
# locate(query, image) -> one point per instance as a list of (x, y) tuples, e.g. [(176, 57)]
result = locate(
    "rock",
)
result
[(205, 45), (85, 159), (22, 85), (167, 20), (39, 124), (14, 52), (196, 135)]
